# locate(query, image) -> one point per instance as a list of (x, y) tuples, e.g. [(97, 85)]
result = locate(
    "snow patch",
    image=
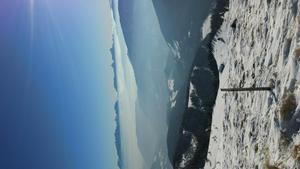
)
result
[(206, 27)]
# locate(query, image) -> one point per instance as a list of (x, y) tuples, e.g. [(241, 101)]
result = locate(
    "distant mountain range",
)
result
[(117, 112)]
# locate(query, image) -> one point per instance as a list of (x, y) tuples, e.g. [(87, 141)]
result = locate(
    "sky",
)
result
[(56, 90)]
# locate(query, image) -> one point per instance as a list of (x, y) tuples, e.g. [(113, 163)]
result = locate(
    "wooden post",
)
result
[(246, 89)]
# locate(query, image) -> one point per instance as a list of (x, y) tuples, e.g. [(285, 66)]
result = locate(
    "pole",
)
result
[(246, 89)]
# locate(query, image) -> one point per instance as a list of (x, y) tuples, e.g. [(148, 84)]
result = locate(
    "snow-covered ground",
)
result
[(262, 49), (173, 93)]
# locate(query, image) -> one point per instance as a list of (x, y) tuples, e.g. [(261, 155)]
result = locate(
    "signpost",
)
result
[(246, 89)]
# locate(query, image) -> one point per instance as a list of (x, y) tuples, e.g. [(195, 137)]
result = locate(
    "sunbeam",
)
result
[(31, 13), (31, 36)]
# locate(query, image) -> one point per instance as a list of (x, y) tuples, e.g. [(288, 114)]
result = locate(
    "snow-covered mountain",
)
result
[(258, 45)]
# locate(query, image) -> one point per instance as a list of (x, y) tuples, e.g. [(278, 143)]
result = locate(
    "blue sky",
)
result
[(56, 90)]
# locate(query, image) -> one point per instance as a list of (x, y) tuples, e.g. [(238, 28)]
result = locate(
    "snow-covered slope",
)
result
[(259, 44)]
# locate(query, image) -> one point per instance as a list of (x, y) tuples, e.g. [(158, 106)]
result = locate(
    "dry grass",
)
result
[(271, 167), (296, 152), (297, 52), (267, 164), (288, 106)]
